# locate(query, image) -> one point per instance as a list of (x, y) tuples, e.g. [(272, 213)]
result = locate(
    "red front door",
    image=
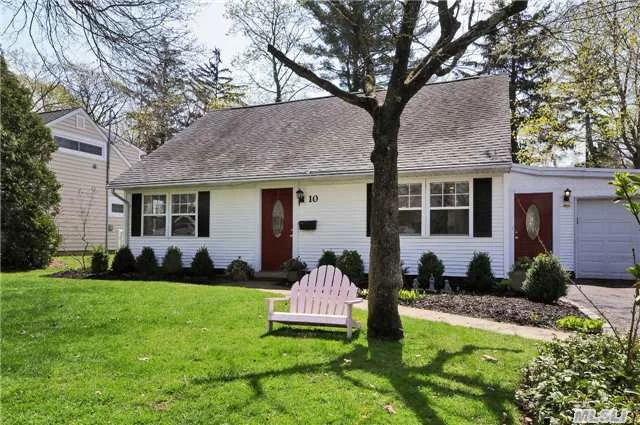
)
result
[(533, 231), (277, 227)]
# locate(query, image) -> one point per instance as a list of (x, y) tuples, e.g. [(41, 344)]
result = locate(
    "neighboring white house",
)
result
[(80, 165), (271, 182)]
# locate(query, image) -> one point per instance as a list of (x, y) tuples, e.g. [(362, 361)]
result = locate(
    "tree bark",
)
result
[(385, 277)]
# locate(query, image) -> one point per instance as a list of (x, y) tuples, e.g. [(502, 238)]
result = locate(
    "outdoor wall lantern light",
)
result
[(300, 195), (567, 196)]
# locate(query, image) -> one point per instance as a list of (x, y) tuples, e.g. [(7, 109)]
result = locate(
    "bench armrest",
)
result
[(353, 301)]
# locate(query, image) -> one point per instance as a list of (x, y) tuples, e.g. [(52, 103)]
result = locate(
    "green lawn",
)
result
[(85, 351)]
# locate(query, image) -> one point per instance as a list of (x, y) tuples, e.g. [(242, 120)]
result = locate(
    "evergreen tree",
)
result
[(354, 39), (211, 87), (523, 49), (160, 98), (29, 189)]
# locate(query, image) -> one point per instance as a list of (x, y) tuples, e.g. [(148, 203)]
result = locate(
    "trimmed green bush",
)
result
[(124, 261), (99, 260), (430, 265), (546, 279), (240, 270), (350, 263), (147, 262), (202, 264), (172, 261), (294, 265), (328, 258), (479, 275), (578, 372), (581, 324)]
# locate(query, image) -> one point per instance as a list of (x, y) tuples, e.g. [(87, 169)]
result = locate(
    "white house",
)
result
[(271, 182), (81, 165)]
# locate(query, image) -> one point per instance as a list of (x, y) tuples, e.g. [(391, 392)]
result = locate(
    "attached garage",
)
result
[(605, 236)]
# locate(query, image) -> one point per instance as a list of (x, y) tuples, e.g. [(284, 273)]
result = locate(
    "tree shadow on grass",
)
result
[(384, 359), (315, 333)]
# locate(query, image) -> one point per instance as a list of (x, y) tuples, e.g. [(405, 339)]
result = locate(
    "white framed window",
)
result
[(154, 215), (449, 208), (410, 208), (74, 145), (183, 214)]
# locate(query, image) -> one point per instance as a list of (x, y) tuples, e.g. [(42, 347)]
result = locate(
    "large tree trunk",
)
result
[(385, 276)]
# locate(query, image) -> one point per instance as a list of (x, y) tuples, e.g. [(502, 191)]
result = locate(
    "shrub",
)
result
[(350, 263), (581, 324), (202, 265), (28, 234), (410, 296), (294, 265), (328, 258), (503, 286), (146, 262), (172, 261), (430, 265), (584, 371), (124, 261), (479, 275), (240, 270), (546, 280), (99, 260)]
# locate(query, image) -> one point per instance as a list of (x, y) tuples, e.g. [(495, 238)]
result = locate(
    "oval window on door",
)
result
[(277, 219), (533, 222)]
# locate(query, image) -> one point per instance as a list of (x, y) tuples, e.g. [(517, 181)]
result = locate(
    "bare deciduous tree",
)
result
[(385, 276)]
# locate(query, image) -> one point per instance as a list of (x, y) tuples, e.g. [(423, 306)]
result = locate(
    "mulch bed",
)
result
[(510, 309)]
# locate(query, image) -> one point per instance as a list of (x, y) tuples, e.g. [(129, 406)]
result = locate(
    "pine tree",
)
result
[(29, 189), (523, 49)]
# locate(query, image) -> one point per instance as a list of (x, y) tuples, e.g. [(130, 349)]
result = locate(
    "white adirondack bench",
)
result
[(323, 297)]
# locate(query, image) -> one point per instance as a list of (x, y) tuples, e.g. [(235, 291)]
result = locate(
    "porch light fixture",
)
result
[(567, 196), (300, 195)]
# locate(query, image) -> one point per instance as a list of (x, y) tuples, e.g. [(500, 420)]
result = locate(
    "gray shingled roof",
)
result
[(47, 117), (461, 124)]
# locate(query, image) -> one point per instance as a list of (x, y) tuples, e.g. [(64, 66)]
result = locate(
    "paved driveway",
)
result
[(615, 302)]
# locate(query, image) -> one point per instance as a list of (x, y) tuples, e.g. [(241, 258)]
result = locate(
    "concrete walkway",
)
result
[(530, 332)]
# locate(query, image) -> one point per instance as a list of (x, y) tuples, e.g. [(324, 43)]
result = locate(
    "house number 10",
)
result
[(313, 198)]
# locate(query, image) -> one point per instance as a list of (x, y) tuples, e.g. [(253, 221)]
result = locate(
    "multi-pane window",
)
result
[(74, 145), (183, 214), (449, 211), (117, 208), (154, 218), (410, 208)]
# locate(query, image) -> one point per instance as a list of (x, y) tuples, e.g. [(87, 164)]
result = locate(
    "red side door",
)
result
[(533, 230), (277, 227)]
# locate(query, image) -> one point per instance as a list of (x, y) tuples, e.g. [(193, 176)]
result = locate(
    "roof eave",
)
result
[(493, 167)]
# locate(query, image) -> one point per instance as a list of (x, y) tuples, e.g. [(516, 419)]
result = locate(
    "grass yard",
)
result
[(86, 351)]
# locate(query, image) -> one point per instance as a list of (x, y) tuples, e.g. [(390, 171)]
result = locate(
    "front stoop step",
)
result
[(270, 275)]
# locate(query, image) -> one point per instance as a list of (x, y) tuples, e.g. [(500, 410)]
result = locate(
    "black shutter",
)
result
[(369, 196), (482, 208), (136, 214), (203, 214)]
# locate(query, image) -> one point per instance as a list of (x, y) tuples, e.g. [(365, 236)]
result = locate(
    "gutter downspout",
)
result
[(126, 216), (106, 194)]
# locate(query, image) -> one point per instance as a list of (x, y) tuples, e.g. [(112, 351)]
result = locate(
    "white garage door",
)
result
[(606, 233)]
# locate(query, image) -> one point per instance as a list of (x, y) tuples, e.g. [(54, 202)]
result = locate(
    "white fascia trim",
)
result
[(570, 171), (315, 175)]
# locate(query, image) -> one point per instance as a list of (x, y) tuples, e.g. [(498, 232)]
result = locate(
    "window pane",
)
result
[(449, 187), (403, 189), (449, 222), (410, 222), (154, 226), (403, 202), (462, 187), (462, 200), (436, 188), (95, 150), (436, 201), (191, 207), (183, 225), (147, 205), (415, 189), (66, 143), (117, 208), (449, 201), (159, 204), (415, 201)]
